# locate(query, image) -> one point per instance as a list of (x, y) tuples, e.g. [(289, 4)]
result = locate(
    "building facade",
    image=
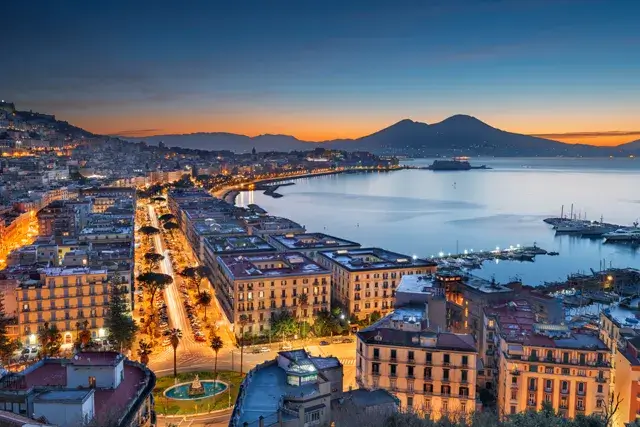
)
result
[(430, 372), (66, 297), (363, 281), (262, 286)]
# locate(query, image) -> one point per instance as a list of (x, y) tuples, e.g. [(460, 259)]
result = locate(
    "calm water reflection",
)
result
[(423, 212)]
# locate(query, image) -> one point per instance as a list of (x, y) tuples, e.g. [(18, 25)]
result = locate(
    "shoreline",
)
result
[(230, 194)]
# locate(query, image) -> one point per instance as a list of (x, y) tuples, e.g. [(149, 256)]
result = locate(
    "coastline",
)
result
[(229, 194)]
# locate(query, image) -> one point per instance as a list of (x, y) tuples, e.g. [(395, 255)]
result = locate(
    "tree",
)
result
[(204, 299), (171, 227), (122, 327), (284, 325), (153, 259), (216, 345), (195, 275), (51, 340), (148, 230), (242, 321), (144, 350), (175, 335), (7, 345), (166, 217), (154, 282)]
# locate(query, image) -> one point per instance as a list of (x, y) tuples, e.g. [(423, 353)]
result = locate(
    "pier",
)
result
[(473, 260)]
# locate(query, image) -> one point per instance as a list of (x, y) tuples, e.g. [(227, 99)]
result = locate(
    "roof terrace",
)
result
[(374, 259), (316, 241), (270, 265), (238, 244)]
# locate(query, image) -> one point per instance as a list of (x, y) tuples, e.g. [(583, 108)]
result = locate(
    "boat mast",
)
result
[(571, 215), (562, 212)]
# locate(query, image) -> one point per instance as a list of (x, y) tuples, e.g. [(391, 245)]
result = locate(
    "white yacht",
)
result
[(623, 234)]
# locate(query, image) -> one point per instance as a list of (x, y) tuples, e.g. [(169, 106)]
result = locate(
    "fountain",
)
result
[(196, 388)]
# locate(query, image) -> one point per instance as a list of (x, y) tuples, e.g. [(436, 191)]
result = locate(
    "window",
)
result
[(445, 389), (532, 383), (534, 354), (599, 403), (445, 406), (447, 359), (393, 384), (464, 391), (548, 385), (376, 352), (514, 380), (428, 358), (580, 404), (411, 356), (92, 382), (565, 357), (392, 370), (409, 403), (533, 368), (427, 405), (427, 388), (463, 407), (549, 355), (394, 354), (410, 371), (427, 373), (513, 409), (464, 374), (465, 360), (445, 374), (599, 388), (514, 394), (375, 368)]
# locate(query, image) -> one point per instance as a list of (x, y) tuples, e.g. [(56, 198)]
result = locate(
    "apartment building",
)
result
[(59, 218), (428, 371), (310, 244), (65, 297), (261, 286), (551, 363), (364, 280)]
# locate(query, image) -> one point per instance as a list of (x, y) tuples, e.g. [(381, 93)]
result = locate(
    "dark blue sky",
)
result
[(324, 69)]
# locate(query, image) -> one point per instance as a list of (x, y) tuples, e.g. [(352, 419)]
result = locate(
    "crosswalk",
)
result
[(348, 362)]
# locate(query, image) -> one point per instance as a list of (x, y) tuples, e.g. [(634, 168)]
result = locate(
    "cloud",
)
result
[(585, 135), (137, 132)]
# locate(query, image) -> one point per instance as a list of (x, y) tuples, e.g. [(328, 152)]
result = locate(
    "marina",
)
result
[(582, 227)]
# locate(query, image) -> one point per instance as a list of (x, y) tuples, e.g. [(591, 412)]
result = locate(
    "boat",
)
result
[(623, 235), (553, 253), (457, 164)]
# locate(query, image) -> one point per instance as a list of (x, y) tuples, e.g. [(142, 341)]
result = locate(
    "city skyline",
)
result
[(559, 70)]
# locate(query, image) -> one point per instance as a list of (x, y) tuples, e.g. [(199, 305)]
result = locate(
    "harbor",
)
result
[(579, 226), (471, 260)]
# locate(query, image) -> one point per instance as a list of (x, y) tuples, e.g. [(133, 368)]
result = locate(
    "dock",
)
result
[(473, 260)]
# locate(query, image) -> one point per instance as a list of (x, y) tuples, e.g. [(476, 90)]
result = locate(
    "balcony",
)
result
[(375, 373), (515, 372), (601, 380), (581, 392), (411, 376), (393, 374), (446, 380), (564, 391)]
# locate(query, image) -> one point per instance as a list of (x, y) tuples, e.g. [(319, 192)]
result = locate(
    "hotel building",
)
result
[(261, 286), (310, 244), (429, 371), (364, 280), (539, 363), (64, 297)]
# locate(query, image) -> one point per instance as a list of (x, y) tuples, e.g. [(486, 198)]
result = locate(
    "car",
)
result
[(200, 338), (286, 347), (347, 340), (323, 342), (264, 349)]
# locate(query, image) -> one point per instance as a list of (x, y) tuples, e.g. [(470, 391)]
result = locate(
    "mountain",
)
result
[(456, 135), (633, 146)]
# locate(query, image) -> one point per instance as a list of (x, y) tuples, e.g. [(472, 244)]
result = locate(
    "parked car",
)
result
[(200, 338), (347, 340), (264, 349), (323, 342), (286, 347)]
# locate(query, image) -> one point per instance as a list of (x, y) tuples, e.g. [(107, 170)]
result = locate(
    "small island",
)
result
[(457, 164)]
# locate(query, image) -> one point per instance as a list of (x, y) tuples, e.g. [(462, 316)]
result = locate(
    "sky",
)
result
[(566, 70)]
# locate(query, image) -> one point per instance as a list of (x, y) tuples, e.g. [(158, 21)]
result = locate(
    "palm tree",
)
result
[(144, 350), (204, 299), (175, 335), (244, 319), (216, 345)]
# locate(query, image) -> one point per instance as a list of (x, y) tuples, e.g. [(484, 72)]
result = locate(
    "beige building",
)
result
[(571, 370), (262, 286), (364, 280), (65, 297), (430, 372)]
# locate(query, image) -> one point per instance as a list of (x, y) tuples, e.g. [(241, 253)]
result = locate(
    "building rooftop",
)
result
[(64, 396), (365, 259), (270, 265), (212, 227), (312, 241), (473, 282), (418, 284), (268, 385), (407, 327), (273, 223), (97, 358), (625, 314), (73, 271), (239, 244), (368, 398), (515, 319)]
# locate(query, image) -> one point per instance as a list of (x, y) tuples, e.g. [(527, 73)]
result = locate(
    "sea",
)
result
[(429, 214)]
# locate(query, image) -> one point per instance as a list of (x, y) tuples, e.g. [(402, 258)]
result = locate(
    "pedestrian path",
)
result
[(346, 362)]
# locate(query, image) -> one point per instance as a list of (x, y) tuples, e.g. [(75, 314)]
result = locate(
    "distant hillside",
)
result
[(456, 135), (632, 146)]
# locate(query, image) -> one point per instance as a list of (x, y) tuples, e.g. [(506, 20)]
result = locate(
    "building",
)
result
[(310, 244), (65, 297), (262, 286), (427, 370), (218, 246), (59, 219), (364, 280), (550, 363), (297, 390), (99, 387), (267, 225)]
